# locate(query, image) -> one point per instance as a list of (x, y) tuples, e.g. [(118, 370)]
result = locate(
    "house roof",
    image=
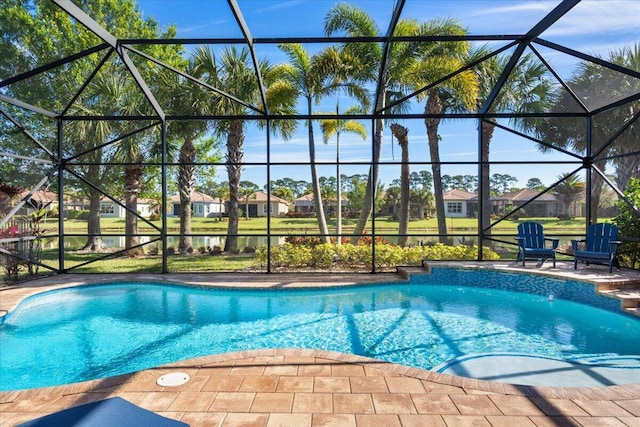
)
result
[(40, 195), (261, 196), (197, 197), (141, 200), (526, 194), (309, 198), (456, 194), (305, 198)]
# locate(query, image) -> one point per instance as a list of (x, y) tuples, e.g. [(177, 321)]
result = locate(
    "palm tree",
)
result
[(354, 22), (314, 78), (185, 97), (569, 189), (456, 94), (88, 137), (336, 127), (528, 89), (236, 75), (131, 152), (401, 134), (602, 85)]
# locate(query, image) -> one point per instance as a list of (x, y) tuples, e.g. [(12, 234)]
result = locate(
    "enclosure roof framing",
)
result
[(123, 45)]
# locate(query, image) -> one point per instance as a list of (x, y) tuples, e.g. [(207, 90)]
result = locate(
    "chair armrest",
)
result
[(554, 241), (614, 244), (574, 243), (520, 240)]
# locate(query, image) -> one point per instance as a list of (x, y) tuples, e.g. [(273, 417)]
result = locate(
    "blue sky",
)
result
[(594, 26)]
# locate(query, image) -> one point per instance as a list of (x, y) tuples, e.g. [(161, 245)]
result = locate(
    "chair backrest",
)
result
[(599, 235), (532, 233)]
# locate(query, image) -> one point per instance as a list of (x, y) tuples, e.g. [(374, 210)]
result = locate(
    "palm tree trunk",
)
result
[(434, 106), (372, 184), (400, 132), (597, 185), (234, 173), (626, 168), (132, 186), (315, 181), (186, 183), (487, 134), (94, 234)]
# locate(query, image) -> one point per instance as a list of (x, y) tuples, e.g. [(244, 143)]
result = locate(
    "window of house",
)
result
[(454, 207), (107, 208)]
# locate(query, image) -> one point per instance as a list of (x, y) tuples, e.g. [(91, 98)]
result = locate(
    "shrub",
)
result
[(74, 214), (325, 255), (304, 240), (83, 215), (155, 217), (298, 215), (628, 222)]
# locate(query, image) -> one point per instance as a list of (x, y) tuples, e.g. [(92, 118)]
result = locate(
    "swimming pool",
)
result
[(93, 332)]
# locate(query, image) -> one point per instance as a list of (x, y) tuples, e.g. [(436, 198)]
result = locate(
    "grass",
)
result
[(150, 264), (310, 226), (258, 226)]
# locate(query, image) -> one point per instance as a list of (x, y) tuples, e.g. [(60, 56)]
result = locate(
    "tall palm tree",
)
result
[(185, 98), (235, 74), (354, 22), (528, 89), (100, 97), (337, 127), (401, 134), (603, 85), (569, 189), (314, 78), (458, 93)]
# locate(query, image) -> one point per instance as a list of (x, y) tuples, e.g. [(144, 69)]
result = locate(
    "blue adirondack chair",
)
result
[(532, 243), (600, 246)]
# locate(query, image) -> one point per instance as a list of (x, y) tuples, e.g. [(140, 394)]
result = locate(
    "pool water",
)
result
[(93, 332)]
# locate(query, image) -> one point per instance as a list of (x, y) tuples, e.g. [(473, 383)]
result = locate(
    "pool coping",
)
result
[(615, 392), (10, 298)]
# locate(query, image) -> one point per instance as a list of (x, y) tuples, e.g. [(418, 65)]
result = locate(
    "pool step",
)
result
[(633, 310), (629, 297)]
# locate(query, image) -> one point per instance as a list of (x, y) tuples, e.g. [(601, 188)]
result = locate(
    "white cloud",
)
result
[(589, 17), (592, 17), (280, 6), (199, 26), (517, 7)]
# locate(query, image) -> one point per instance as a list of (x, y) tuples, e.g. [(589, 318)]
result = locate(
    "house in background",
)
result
[(259, 206), (46, 198), (546, 205), (305, 204), (460, 204), (111, 209), (202, 205)]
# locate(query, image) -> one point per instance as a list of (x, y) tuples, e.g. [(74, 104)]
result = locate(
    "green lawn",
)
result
[(257, 226), (310, 226)]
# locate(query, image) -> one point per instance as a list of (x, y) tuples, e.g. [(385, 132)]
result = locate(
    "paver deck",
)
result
[(295, 387)]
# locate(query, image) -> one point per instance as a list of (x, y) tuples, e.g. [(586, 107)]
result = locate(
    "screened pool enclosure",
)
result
[(168, 136)]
